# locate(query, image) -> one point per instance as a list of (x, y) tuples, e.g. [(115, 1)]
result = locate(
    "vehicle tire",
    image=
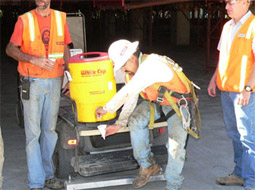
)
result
[(62, 161), (20, 113)]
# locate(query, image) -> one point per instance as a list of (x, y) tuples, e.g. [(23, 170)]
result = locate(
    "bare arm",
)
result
[(66, 57), (65, 90), (15, 52), (126, 111), (212, 85)]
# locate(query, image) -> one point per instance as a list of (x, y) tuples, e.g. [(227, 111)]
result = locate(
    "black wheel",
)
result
[(62, 161), (19, 113)]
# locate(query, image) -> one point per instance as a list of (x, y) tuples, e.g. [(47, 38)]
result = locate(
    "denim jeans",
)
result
[(139, 131), (240, 125), (1, 158), (40, 118)]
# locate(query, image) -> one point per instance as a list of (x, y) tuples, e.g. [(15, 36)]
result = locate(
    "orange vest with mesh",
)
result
[(32, 44)]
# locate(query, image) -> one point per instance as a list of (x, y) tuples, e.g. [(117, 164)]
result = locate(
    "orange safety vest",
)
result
[(32, 44), (235, 66), (175, 85)]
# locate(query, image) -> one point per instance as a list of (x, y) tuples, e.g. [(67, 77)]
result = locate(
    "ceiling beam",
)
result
[(148, 3), (153, 3)]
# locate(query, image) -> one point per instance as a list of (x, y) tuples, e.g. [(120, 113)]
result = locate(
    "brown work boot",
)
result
[(230, 180), (54, 184), (144, 175)]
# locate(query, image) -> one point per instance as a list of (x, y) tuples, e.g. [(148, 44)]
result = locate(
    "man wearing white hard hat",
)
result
[(142, 72)]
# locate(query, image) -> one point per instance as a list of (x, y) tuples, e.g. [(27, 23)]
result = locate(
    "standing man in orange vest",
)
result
[(142, 73), (235, 77), (39, 43)]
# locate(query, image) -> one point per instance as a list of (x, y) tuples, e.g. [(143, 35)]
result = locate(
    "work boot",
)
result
[(230, 180), (144, 175), (54, 184)]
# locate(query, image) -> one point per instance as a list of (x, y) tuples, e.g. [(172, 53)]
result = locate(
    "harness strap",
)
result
[(180, 95), (168, 95), (151, 124), (173, 103), (197, 116), (168, 115), (161, 92)]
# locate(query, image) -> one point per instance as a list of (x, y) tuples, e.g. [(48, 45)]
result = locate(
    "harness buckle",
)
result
[(183, 99), (184, 113), (160, 99), (161, 92)]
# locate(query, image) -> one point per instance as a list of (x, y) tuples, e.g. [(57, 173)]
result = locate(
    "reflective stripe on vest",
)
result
[(32, 25), (59, 23), (54, 56)]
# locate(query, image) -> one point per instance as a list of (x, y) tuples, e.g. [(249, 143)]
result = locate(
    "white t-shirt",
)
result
[(234, 28)]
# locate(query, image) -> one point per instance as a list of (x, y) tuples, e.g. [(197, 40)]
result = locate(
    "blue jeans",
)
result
[(40, 118), (139, 131), (240, 125)]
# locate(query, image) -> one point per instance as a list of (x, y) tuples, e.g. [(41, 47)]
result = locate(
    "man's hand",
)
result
[(100, 112), (243, 98), (112, 129), (212, 88), (66, 90), (43, 63), (15, 52)]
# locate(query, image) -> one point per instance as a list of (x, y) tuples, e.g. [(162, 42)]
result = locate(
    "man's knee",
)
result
[(134, 125), (138, 122), (139, 119)]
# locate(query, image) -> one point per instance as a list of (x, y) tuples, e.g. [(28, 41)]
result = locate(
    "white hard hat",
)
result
[(120, 51)]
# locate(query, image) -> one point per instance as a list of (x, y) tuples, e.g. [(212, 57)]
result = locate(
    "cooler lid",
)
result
[(89, 57)]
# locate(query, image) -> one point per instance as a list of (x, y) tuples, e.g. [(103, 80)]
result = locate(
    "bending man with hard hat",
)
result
[(142, 72)]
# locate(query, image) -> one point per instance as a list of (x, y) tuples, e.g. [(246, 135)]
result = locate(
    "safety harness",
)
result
[(191, 120)]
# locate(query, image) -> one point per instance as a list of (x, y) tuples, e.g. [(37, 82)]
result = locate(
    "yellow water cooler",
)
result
[(93, 84)]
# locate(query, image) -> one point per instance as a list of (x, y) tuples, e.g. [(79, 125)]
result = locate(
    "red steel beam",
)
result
[(153, 3)]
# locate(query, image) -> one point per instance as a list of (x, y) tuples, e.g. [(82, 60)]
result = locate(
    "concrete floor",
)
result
[(207, 158)]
